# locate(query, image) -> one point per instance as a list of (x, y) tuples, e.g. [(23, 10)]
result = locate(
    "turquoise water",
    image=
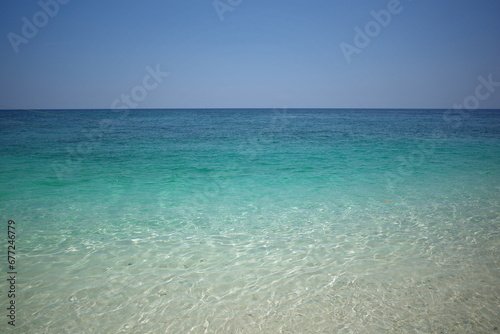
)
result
[(253, 221)]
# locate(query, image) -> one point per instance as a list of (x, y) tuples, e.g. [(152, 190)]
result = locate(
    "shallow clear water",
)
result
[(246, 221)]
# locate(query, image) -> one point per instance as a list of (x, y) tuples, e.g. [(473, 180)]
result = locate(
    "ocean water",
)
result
[(252, 220)]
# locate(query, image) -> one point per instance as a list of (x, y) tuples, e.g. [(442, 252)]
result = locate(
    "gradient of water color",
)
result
[(253, 221)]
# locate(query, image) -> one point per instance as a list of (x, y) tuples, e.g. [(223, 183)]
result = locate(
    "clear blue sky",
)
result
[(265, 53)]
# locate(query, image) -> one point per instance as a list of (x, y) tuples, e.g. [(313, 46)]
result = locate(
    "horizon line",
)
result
[(237, 108)]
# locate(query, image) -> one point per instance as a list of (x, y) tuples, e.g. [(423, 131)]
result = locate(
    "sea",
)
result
[(250, 221)]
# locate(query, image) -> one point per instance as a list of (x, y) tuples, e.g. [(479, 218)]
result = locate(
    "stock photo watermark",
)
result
[(11, 272), (363, 37), (30, 28), (482, 92), (139, 93), (125, 102), (223, 6), (453, 117)]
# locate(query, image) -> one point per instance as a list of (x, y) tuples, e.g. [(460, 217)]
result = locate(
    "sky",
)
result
[(95, 54)]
